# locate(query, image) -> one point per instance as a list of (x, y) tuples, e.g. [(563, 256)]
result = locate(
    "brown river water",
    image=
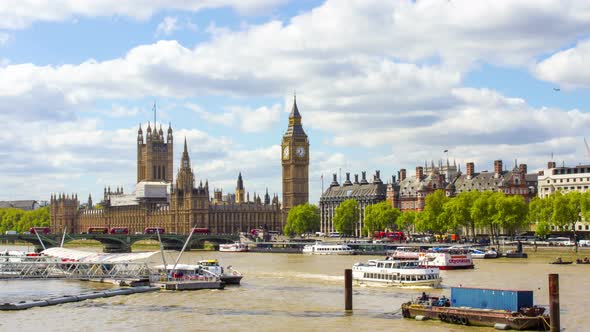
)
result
[(288, 292)]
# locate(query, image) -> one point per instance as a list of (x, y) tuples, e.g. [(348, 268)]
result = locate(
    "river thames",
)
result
[(289, 292)]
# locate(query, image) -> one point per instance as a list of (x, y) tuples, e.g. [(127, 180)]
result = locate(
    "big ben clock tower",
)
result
[(295, 161)]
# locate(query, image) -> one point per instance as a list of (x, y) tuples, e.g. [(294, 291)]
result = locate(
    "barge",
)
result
[(503, 309)]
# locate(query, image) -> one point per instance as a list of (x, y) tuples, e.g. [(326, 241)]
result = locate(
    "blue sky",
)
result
[(380, 84)]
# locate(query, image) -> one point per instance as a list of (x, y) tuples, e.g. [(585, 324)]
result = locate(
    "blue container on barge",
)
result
[(497, 299)]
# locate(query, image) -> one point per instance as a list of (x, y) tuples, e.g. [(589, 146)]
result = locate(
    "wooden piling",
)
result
[(348, 289), (554, 302)]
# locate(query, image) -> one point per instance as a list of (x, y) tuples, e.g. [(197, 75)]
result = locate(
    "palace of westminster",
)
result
[(180, 206)]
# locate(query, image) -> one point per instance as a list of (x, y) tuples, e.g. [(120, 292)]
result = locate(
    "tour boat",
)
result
[(447, 259), (405, 253), (395, 273), (328, 249), (228, 276), (233, 247)]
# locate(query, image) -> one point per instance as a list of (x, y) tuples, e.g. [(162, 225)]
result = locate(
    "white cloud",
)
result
[(168, 25), (247, 119), (18, 14), (566, 67)]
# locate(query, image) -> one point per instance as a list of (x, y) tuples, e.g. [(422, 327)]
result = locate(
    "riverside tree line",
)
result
[(473, 212), (21, 221)]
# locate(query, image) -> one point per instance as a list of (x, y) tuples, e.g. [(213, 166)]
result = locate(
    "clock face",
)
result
[(300, 152), (286, 152)]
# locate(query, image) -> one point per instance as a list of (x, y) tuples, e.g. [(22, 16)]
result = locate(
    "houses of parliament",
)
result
[(178, 206)]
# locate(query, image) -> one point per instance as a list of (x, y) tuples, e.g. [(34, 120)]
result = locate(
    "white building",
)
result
[(565, 179)]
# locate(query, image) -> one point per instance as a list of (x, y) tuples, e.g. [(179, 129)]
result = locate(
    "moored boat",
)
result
[(328, 249), (396, 274), (447, 259), (228, 275), (233, 247), (481, 254), (481, 307), (405, 253)]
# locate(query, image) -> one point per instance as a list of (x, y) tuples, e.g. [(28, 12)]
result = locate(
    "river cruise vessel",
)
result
[(405, 253), (447, 259), (328, 249), (233, 247), (395, 273)]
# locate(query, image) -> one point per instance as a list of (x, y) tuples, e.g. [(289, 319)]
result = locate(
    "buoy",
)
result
[(500, 326)]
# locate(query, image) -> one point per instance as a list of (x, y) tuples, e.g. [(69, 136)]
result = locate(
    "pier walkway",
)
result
[(43, 269)]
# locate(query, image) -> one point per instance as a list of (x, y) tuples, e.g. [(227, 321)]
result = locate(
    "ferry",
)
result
[(229, 275), (447, 259), (328, 249), (233, 247), (395, 273), (405, 253)]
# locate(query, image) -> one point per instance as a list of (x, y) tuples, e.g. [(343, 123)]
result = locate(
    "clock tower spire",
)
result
[(295, 162)]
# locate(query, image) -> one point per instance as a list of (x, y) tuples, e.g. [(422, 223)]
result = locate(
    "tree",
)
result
[(483, 211), (302, 219), (434, 218), (540, 213), (567, 211), (379, 217), (407, 219), (459, 211), (346, 216), (511, 213)]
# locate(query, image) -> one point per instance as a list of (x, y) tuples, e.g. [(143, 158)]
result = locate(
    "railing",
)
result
[(43, 269)]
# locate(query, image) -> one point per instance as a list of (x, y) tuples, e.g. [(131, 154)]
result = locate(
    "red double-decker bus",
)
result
[(40, 230), (97, 230), (201, 231), (119, 230), (153, 230)]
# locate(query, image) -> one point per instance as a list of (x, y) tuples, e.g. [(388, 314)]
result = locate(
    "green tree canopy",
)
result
[(302, 219), (18, 220), (434, 218), (511, 213), (380, 216), (407, 219), (346, 216)]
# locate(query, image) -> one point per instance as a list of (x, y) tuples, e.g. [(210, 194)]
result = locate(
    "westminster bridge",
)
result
[(113, 243)]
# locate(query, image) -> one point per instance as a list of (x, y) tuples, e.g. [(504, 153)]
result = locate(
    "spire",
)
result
[(240, 185), (186, 161), (139, 131), (266, 197), (149, 128), (169, 127), (294, 110)]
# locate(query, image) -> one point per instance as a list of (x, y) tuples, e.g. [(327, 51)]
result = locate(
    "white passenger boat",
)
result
[(405, 253), (233, 247), (447, 259), (396, 273), (328, 249), (228, 275), (480, 254)]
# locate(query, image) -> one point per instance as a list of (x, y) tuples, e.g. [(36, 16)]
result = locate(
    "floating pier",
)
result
[(189, 285), (75, 298)]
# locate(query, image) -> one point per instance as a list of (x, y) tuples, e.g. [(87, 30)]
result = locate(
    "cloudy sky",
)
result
[(380, 85)]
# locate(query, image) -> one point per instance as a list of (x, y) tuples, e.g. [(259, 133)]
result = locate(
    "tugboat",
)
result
[(512, 309)]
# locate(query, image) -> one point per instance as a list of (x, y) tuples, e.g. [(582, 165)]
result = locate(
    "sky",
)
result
[(381, 85)]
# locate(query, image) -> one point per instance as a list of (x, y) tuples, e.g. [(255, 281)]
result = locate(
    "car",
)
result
[(560, 241), (584, 243)]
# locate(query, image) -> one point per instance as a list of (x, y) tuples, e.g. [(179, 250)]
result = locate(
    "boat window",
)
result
[(388, 266)]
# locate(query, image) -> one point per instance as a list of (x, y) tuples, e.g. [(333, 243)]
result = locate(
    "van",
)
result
[(584, 243)]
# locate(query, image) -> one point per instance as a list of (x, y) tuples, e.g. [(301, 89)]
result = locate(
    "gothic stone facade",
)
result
[(187, 205)]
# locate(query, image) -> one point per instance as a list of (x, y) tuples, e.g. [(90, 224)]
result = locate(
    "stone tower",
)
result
[(240, 189), (155, 156), (64, 211), (295, 162)]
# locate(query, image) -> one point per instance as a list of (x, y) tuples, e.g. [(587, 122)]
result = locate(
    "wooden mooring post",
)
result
[(554, 302), (348, 289)]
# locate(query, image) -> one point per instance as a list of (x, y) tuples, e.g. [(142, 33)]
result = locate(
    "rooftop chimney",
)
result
[(364, 178), (470, 170), (497, 168), (402, 174), (334, 181), (419, 173), (522, 168), (347, 182), (356, 179), (551, 164)]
